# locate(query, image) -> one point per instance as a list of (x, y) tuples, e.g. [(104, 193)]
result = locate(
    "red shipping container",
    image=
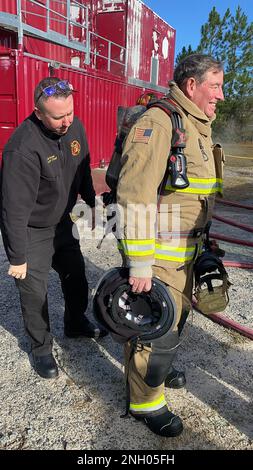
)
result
[(121, 49)]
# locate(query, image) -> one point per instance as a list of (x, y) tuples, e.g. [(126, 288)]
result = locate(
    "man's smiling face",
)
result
[(207, 93)]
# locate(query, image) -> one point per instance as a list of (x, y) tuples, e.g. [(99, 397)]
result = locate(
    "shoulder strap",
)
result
[(177, 164), (169, 107)]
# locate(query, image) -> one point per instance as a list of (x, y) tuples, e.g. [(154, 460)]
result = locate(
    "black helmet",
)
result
[(127, 315), (211, 297)]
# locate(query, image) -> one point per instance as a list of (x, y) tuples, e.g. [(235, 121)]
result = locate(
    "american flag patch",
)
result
[(142, 135)]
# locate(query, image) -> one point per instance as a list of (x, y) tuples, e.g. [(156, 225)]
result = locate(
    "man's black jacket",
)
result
[(42, 174)]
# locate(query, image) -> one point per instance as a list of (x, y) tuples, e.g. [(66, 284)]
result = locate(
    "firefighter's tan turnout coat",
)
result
[(165, 240)]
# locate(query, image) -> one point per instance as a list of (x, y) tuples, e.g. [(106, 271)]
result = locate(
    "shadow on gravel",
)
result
[(95, 366), (220, 374), (85, 361)]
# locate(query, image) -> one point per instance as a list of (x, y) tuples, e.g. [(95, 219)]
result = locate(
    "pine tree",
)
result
[(212, 34), (184, 53), (239, 56), (230, 39)]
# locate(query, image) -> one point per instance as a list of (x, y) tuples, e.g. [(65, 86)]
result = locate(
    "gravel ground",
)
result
[(81, 409)]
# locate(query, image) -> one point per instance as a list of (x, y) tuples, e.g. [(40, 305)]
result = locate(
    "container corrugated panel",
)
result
[(34, 14), (8, 39), (99, 93), (112, 26), (29, 75), (8, 6), (8, 115), (96, 101), (151, 45), (47, 50), (149, 39), (19, 77), (56, 22)]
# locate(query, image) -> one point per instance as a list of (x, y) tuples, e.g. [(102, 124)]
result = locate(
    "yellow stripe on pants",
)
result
[(148, 407)]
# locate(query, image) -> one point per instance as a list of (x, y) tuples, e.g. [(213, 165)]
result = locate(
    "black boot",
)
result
[(175, 379), (45, 366), (84, 329), (164, 424)]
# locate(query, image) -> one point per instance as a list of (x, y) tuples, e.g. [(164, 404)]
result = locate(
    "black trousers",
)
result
[(51, 247)]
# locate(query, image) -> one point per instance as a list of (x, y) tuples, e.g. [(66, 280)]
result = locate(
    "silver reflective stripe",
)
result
[(138, 247), (174, 253)]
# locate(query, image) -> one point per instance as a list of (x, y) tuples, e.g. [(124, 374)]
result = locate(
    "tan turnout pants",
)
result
[(146, 399)]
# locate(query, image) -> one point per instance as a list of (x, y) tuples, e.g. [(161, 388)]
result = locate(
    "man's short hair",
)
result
[(196, 65), (40, 97)]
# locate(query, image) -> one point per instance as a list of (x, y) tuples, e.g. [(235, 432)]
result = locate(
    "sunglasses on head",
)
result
[(51, 90)]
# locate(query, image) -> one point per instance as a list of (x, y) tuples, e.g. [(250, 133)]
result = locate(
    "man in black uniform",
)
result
[(46, 164)]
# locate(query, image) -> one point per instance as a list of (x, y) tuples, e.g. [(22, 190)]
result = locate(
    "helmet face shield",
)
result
[(128, 315)]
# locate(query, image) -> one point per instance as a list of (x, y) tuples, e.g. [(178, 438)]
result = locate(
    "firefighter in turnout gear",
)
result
[(164, 224)]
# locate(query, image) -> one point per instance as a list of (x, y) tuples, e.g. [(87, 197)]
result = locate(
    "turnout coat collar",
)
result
[(194, 114)]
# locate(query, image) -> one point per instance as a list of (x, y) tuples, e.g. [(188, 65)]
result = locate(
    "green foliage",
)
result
[(212, 34), (184, 53), (230, 39)]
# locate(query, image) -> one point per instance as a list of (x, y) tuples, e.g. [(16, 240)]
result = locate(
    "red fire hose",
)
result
[(236, 264), (237, 241), (232, 222), (218, 317), (234, 204), (228, 323)]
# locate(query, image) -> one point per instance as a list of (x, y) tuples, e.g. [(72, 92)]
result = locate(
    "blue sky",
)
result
[(187, 16)]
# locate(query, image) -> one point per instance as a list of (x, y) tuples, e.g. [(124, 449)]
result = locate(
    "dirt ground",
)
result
[(238, 171), (81, 410)]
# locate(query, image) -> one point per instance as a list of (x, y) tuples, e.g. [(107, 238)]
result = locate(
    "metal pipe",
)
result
[(20, 25), (68, 19), (109, 56), (47, 17)]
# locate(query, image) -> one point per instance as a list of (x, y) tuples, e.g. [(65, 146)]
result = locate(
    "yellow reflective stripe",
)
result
[(199, 186), (151, 406), (205, 180), (190, 190), (172, 253), (160, 251), (138, 247)]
